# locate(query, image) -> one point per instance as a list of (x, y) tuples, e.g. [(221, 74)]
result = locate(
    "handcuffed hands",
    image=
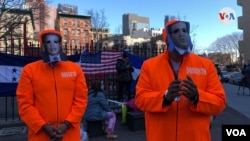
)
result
[(185, 87), (190, 90), (55, 134), (173, 90)]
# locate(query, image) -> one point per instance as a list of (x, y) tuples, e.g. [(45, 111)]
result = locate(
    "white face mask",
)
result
[(172, 46), (182, 51)]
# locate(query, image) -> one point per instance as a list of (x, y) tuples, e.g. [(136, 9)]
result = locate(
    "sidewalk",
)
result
[(236, 112), (240, 102)]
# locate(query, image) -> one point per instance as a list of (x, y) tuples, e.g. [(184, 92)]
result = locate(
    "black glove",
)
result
[(174, 90), (56, 134), (65, 125), (50, 131), (190, 90)]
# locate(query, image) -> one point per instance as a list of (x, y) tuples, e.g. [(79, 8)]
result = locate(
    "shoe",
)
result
[(111, 136)]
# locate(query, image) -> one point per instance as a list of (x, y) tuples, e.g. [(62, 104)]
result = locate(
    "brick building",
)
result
[(76, 29)]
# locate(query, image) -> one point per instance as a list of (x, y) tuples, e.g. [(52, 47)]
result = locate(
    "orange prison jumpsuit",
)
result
[(180, 121), (52, 95)]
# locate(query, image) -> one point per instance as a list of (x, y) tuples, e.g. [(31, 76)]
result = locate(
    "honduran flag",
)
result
[(10, 70)]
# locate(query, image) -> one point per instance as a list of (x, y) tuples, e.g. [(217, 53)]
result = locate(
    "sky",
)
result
[(203, 14)]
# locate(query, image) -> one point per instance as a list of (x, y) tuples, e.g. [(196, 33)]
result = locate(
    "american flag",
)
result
[(100, 62)]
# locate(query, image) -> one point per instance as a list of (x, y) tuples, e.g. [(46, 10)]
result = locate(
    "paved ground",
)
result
[(236, 112)]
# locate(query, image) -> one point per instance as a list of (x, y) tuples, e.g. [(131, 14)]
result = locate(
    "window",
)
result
[(86, 23), (73, 22), (65, 32), (65, 41), (86, 32), (78, 32), (65, 22), (95, 36), (73, 32)]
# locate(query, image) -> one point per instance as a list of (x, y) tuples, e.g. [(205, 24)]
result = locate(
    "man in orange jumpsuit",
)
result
[(178, 90), (52, 94)]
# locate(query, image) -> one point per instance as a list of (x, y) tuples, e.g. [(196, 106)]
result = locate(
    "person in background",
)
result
[(244, 72), (98, 109), (124, 77), (178, 90), (52, 93), (219, 72)]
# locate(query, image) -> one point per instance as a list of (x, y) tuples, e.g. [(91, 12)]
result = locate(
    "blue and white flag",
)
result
[(11, 67), (10, 70), (136, 62)]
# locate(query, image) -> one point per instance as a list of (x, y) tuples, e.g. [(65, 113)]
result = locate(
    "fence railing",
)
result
[(8, 105)]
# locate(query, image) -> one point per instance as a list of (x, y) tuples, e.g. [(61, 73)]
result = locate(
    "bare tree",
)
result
[(99, 23), (193, 36), (7, 6), (98, 18), (228, 44), (9, 23)]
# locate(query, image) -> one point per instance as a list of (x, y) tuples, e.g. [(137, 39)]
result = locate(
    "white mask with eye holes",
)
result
[(174, 47)]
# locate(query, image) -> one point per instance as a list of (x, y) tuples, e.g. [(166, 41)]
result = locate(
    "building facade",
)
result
[(133, 22), (243, 23), (76, 29), (40, 13), (18, 30), (100, 35), (51, 18), (67, 9)]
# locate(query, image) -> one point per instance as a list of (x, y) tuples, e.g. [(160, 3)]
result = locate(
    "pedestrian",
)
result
[(124, 77), (98, 110), (52, 93), (178, 90), (244, 75), (220, 75)]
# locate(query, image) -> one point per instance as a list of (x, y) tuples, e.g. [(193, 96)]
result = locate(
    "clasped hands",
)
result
[(55, 134), (184, 87)]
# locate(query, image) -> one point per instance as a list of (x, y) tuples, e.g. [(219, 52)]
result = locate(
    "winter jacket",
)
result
[(124, 74), (97, 107), (52, 95), (182, 120)]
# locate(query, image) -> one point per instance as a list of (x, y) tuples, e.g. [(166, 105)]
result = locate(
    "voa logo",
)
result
[(227, 15), (236, 132)]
